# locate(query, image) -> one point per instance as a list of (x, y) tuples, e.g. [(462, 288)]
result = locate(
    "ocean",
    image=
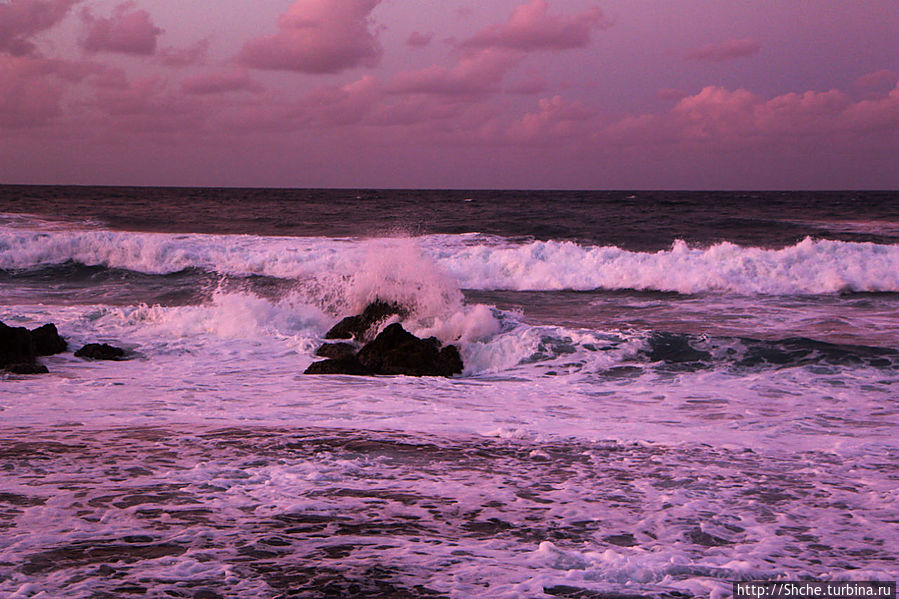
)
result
[(663, 393)]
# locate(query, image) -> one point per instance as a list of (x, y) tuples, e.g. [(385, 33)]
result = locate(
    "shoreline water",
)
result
[(261, 511), (637, 414)]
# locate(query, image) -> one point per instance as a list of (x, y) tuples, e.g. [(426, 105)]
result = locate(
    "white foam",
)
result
[(809, 267), (432, 268)]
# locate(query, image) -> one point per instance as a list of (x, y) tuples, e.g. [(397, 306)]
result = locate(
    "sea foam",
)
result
[(404, 266)]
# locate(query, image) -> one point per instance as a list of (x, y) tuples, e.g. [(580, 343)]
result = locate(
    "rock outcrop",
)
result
[(393, 351), (346, 365), (20, 348), (47, 340), (357, 327), (336, 350), (397, 351)]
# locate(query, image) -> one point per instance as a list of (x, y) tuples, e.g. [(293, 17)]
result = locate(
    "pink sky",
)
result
[(390, 93)]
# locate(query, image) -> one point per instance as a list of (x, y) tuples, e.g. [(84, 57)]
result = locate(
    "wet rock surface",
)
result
[(20, 348), (27, 368), (345, 365), (336, 350), (47, 340), (394, 351), (358, 326), (101, 351)]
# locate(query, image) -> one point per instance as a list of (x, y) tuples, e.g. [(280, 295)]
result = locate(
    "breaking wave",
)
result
[(468, 261)]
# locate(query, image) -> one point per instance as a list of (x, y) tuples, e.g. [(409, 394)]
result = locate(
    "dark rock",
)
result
[(17, 353), (27, 368), (356, 327), (346, 365), (393, 351), (396, 351), (47, 340), (347, 328), (101, 351), (449, 360), (336, 350)]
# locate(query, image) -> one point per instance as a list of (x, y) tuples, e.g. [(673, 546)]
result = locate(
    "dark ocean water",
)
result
[(633, 220), (663, 392)]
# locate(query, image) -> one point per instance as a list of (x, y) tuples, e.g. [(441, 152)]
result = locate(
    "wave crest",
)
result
[(810, 267), (427, 272)]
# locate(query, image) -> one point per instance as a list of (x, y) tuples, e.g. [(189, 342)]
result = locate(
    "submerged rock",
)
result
[(27, 368), (100, 351), (393, 351)]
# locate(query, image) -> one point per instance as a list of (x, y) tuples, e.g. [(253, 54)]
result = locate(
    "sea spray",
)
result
[(397, 270)]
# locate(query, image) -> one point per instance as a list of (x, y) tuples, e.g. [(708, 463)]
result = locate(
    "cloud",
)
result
[(726, 50), (32, 87), (325, 107), (474, 74), (127, 31), (28, 98), (417, 39), (718, 118), (719, 114), (555, 118), (184, 57), (317, 36), (531, 27), (333, 106), (877, 116), (529, 86), (220, 82), (21, 19), (878, 80), (146, 105)]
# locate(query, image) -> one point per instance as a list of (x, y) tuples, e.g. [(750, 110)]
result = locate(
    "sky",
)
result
[(546, 94)]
